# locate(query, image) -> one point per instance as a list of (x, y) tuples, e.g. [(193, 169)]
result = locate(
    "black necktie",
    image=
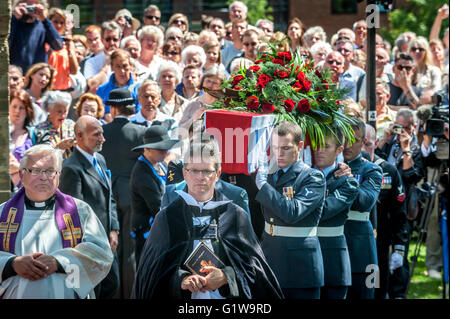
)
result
[(280, 174)]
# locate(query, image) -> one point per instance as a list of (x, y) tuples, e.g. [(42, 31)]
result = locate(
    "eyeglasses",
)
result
[(177, 21), (253, 44), (112, 39), (150, 17), (171, 53), (414, 49), (404, 67), (330, 62), (197, 172), (50, 173)]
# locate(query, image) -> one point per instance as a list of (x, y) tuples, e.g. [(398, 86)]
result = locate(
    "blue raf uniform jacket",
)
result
[(359, 234), (296, 261), (340, 194)]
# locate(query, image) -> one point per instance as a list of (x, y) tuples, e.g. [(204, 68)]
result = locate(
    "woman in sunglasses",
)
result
[(179, 20), (427, 77)]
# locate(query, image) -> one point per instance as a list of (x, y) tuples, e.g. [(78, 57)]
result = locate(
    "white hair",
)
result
[(320, 45), (172, 30), (264, 21), (169, 65), (352, 34), (193, 49), (52, 97), (315, 30), (42, 149), (152, 30), (127, 39), (356, 23), (207, 33), (238, 3), (240, 62)]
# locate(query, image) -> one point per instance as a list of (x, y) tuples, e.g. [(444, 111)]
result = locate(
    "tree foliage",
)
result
[(257, 9), (417, 16)]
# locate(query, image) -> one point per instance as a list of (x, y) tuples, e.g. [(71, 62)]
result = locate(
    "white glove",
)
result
[(396, 261), (261, 176)]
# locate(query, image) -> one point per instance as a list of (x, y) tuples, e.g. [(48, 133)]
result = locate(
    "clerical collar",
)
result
[(29, 204), (191, 201)]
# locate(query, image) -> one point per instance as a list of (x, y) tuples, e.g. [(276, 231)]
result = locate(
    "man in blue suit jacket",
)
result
[(358, 228), (341, 192), (292, 201)]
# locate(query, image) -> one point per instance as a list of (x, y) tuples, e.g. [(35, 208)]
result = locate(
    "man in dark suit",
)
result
[(121, 137), (292, 200), (84, 176)]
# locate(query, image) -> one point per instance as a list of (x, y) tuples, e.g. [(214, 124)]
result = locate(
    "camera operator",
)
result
[(434, 150), (399, 147), (30, 30)]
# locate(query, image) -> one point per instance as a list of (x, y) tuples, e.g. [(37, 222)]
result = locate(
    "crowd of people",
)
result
[(110, 116)]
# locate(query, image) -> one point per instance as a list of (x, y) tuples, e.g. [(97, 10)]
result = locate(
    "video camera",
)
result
[(435, 115)]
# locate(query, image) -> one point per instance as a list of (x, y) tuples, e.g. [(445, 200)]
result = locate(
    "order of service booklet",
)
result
[(200, 257)]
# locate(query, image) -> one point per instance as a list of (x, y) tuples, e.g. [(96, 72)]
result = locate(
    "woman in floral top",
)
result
[(60, 128)]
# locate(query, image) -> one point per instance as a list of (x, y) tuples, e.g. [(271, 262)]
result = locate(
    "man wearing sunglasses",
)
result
[(403, 92), (152, 15), (98, 68), (335, 61)]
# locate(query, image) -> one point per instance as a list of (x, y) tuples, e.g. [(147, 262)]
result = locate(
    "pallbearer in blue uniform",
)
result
[(340, 194), (292, 200), (358, 229)]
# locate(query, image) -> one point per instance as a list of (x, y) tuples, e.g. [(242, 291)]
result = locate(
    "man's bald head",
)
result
[(89, 133)]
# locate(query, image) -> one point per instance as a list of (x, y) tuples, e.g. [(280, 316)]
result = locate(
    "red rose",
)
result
[(237, 79), (303, 86), (301, 76), (326, 84), (252, 102), (285, 56), (317, 72), (303, 106), (238, 88), (278, 61), (263, 79), (289, 105), (259, 61), (268, 108), (281, 74), (255, 68)]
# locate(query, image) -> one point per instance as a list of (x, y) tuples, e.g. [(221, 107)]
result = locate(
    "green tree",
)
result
[(257, 9), (417, 16)]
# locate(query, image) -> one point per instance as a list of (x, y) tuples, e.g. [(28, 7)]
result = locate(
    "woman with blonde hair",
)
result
[(151, 39), (427, 77), (90, 104), (179, 20), (39, 80)]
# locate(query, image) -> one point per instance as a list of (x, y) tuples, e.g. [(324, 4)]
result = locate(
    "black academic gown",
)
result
[(170, 242)]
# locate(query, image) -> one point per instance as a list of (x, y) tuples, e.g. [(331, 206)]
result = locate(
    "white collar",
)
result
[(191, 201), (89, 157)]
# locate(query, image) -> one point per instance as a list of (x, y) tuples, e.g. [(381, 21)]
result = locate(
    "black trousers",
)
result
[(337, 292), (359, 289), (383, 264), (301, 293), (107, 288)]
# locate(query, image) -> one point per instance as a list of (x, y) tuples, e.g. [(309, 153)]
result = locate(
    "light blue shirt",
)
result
[(275, 176), (328, 170)]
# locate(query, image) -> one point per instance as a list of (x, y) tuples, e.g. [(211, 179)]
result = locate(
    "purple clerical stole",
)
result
[(66, 215)]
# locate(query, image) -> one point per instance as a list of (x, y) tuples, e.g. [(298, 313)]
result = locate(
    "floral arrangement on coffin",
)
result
[(284, 84)]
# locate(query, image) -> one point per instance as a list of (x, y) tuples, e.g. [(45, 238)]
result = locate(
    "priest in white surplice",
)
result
[(51, 245)]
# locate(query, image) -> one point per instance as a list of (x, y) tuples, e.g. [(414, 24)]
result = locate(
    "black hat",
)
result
[(120, 97), (156, 137)]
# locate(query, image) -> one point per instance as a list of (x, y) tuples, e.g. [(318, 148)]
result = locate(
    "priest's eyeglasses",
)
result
[(198, 172), (50, 173)]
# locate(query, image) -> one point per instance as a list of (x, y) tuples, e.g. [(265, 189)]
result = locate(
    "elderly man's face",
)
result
[(238, 12), (381, 58), (361, 30), (346, 49), (201, 177), (149, 98), (40, 177), (133, 48), (111, 40), (382, 97), (267, 28), (335, 62), (92, 139)]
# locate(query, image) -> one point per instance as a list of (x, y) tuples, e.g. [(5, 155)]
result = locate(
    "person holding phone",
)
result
[(60, 128)]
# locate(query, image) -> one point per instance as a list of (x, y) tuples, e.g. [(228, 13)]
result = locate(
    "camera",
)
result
[(435, 115), (129, 21), (30, 9), (397, 128)]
